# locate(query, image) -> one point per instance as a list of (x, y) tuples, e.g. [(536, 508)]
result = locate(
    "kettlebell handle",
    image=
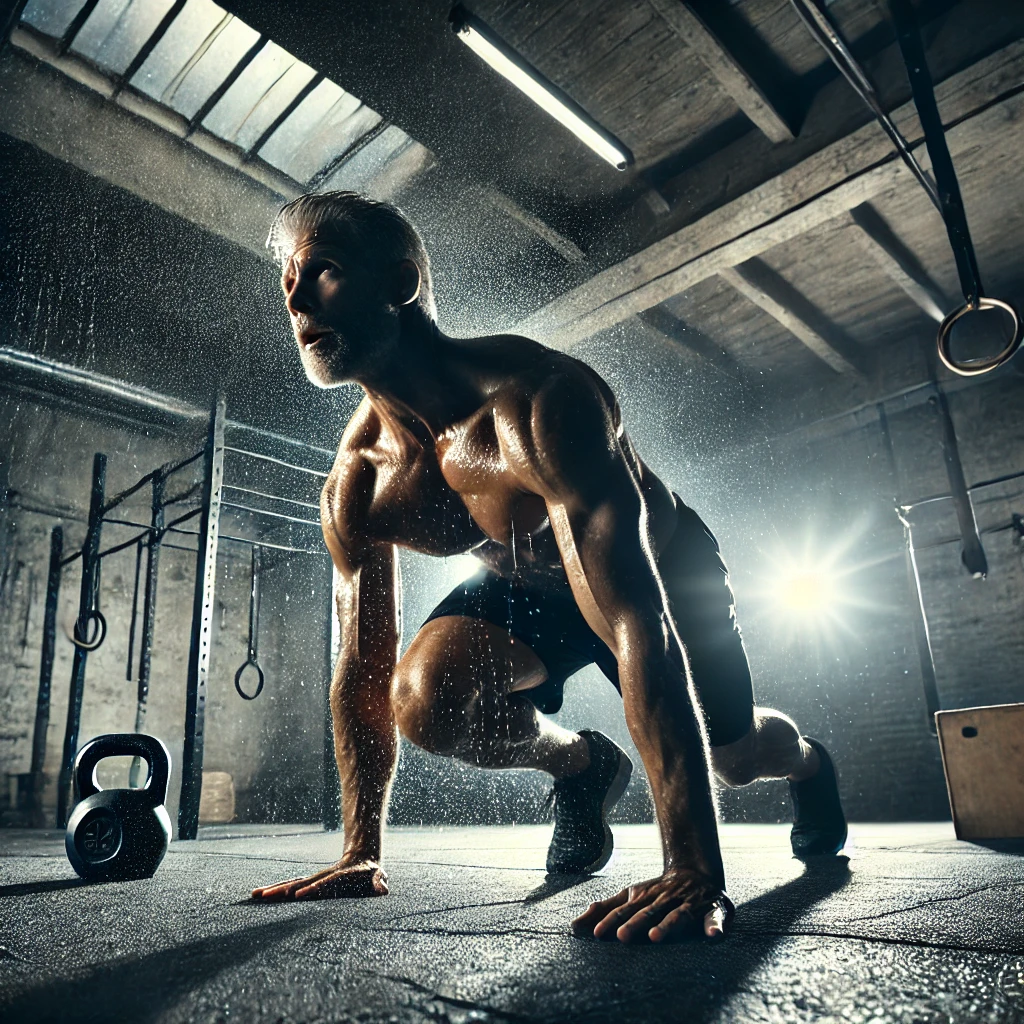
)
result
[(149, 748)]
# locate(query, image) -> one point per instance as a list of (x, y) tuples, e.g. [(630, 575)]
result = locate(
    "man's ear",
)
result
[(410, 281)]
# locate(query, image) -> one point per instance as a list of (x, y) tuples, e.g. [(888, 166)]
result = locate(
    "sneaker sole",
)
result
[(611, 798)]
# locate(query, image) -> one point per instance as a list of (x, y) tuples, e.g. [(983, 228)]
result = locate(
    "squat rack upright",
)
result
[(208, 535)]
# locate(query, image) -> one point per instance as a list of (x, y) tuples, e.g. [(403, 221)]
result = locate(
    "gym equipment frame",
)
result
[(89, 629)]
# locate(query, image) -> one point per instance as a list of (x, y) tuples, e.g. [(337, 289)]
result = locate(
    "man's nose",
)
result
[(299, 299)]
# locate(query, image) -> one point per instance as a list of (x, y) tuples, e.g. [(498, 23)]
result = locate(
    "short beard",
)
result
[(327, 369)]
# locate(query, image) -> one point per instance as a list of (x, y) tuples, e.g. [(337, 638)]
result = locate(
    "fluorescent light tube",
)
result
[(482, 41)]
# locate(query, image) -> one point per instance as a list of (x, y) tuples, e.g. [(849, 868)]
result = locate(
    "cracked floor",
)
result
[(915, 928)]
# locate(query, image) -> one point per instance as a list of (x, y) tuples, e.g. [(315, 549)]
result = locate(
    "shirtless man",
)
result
[(516, 453)]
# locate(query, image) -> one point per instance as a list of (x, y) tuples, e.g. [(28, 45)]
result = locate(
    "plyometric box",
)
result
[(983, 758)]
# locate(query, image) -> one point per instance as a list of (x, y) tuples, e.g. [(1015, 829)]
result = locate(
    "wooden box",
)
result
[(217, 799), (983, 758)]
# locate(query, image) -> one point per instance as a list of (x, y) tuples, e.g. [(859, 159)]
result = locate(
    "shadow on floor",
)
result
[(553, 885), (34, 888), (1011, 846), (137, 990), (615, 982)]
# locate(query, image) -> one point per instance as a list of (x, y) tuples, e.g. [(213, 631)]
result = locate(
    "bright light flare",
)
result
[(808, 592), (816, 589), (459, 568), (479, 38)]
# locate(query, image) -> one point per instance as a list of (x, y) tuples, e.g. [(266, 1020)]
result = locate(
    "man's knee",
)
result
[(767, 751), (735, 764), (432, 704)]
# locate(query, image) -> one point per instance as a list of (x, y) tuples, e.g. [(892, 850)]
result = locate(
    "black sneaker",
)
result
[(582, 840), (819, 825)]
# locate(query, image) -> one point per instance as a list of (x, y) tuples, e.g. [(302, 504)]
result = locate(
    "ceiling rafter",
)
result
[(736, 80), (977, 102), (770, 292), (669, 326), (897, 261)]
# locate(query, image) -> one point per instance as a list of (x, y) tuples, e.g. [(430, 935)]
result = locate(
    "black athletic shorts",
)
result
[(545, 616)]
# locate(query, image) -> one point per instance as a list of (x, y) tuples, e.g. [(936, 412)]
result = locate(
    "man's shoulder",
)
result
[(554, 384), (361, 433)]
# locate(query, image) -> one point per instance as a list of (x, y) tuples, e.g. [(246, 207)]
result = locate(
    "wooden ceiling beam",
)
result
[(978, 103), (565, 247), (730, 74), (896, 260), (770, 292), (669, 326)]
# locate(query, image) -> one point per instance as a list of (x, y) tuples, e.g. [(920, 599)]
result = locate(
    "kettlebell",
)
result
[(118, 834)]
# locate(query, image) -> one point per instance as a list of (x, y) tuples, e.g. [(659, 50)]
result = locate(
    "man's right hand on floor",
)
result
[(347, 878)]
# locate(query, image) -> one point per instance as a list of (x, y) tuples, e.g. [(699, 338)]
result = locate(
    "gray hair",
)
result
[(373, 227)]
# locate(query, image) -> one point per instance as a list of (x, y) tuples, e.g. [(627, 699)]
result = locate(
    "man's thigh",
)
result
[(703, 607), (459, 654)]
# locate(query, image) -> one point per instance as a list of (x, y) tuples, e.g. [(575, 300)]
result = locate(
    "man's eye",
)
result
[(331, 270)]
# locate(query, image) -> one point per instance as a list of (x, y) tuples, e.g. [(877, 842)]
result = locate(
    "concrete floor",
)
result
[(916, 929)]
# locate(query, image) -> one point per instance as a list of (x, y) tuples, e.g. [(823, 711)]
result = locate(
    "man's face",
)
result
[(343, 321)]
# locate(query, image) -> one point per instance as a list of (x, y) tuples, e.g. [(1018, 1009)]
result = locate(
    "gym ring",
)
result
[(974, 367), (238, 680), (77, 637)]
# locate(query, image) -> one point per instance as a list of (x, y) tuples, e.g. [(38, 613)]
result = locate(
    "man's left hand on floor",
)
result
[(663, 908)]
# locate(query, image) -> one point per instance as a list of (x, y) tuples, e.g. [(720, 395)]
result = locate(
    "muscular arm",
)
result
[(571, 455), (365, 734)]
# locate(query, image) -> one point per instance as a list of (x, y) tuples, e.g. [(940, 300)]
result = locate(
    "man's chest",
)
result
[(481, 468)]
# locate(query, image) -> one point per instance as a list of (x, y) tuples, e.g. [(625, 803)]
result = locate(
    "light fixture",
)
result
[(482, 41)]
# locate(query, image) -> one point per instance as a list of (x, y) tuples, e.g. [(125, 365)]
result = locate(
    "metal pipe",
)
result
[(90, 585), (202, 625), (826, 35), (135, 612), (279, 462), (273, 497), (143, 480), (267, 512), (45, 678), (269, 544), (1004, 479), (922, 638), (98, 382), (148, 616), (973, 554)]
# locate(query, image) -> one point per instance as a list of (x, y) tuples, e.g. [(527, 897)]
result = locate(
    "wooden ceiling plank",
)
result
[(666, 61), (768, 291), (827, 184), (897, 261), (565, 247), (733, 78), (669, 326)]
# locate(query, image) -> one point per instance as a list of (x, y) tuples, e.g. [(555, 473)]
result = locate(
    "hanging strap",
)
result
[(944, 192), (951, 204)]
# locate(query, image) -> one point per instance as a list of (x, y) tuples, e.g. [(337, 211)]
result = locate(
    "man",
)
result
[(512, 451)]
